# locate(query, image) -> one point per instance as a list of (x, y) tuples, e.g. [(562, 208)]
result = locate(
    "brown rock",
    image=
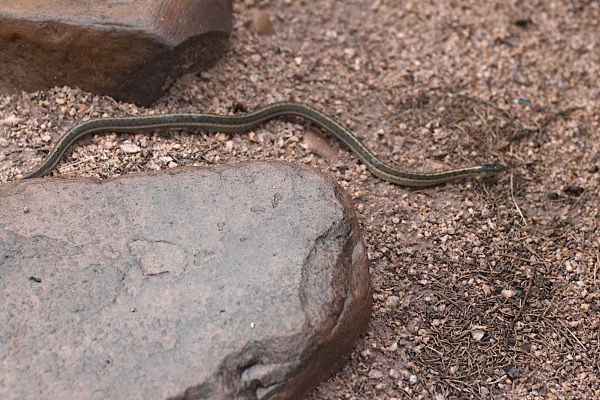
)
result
[(316, 143), (261, 22), (125, 49), (238, 282)]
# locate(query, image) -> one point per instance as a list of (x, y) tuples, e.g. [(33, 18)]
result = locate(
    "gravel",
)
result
[(483, 288)]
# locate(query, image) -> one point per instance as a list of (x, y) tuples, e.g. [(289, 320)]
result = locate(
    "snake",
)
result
[(247, 121)]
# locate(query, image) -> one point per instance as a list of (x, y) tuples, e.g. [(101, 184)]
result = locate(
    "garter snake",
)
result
[(247, 121)]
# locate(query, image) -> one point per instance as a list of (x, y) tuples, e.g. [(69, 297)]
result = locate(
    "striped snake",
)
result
[(247, 121)]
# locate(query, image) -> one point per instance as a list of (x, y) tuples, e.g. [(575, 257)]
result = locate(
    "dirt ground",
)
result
[(482, 288)]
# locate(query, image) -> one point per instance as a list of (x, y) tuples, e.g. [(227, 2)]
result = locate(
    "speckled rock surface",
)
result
[(125, 49), (245, 281)]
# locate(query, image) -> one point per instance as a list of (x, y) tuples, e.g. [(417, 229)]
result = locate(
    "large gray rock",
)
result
[(235, 282), (123, 48)]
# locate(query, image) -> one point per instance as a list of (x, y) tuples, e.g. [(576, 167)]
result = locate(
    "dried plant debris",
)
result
[(484, 288)]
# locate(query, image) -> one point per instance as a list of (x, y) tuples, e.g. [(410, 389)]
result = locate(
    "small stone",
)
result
[(585, 307), (522, 21), (261, 22), (573, 190), (165, 159), (375, 374), (316, 143), (108, 144), (508, 293), (569, 266), (574, 324), (524, 102), (487, 290), (477, 334), (513, 372), (392, 301), (130, 148), (222, 137), (256, 58), (350, 53)]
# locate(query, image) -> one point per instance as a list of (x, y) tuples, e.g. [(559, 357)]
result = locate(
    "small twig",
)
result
[(576, 339), (525, 298), (596, 266), (498, 380), (85, 160), (512, 196), (439, 353), (519, 258), (405, 392)]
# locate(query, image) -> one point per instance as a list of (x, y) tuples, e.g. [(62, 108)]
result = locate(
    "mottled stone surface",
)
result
[(236, 282), (128, 49)]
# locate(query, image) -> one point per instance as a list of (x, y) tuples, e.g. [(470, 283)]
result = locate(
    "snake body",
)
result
[(247, 121)]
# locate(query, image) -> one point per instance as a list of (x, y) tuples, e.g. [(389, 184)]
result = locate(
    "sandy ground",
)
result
[(483, 288)]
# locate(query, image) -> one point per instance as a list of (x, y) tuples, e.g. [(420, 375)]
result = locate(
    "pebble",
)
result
[(573, 190), (375, 374), (261, 22), (477, 334), (392, 301), (256, 58), (130, 148)]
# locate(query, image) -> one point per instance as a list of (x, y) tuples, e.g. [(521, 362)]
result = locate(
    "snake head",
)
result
[(492, 169)]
